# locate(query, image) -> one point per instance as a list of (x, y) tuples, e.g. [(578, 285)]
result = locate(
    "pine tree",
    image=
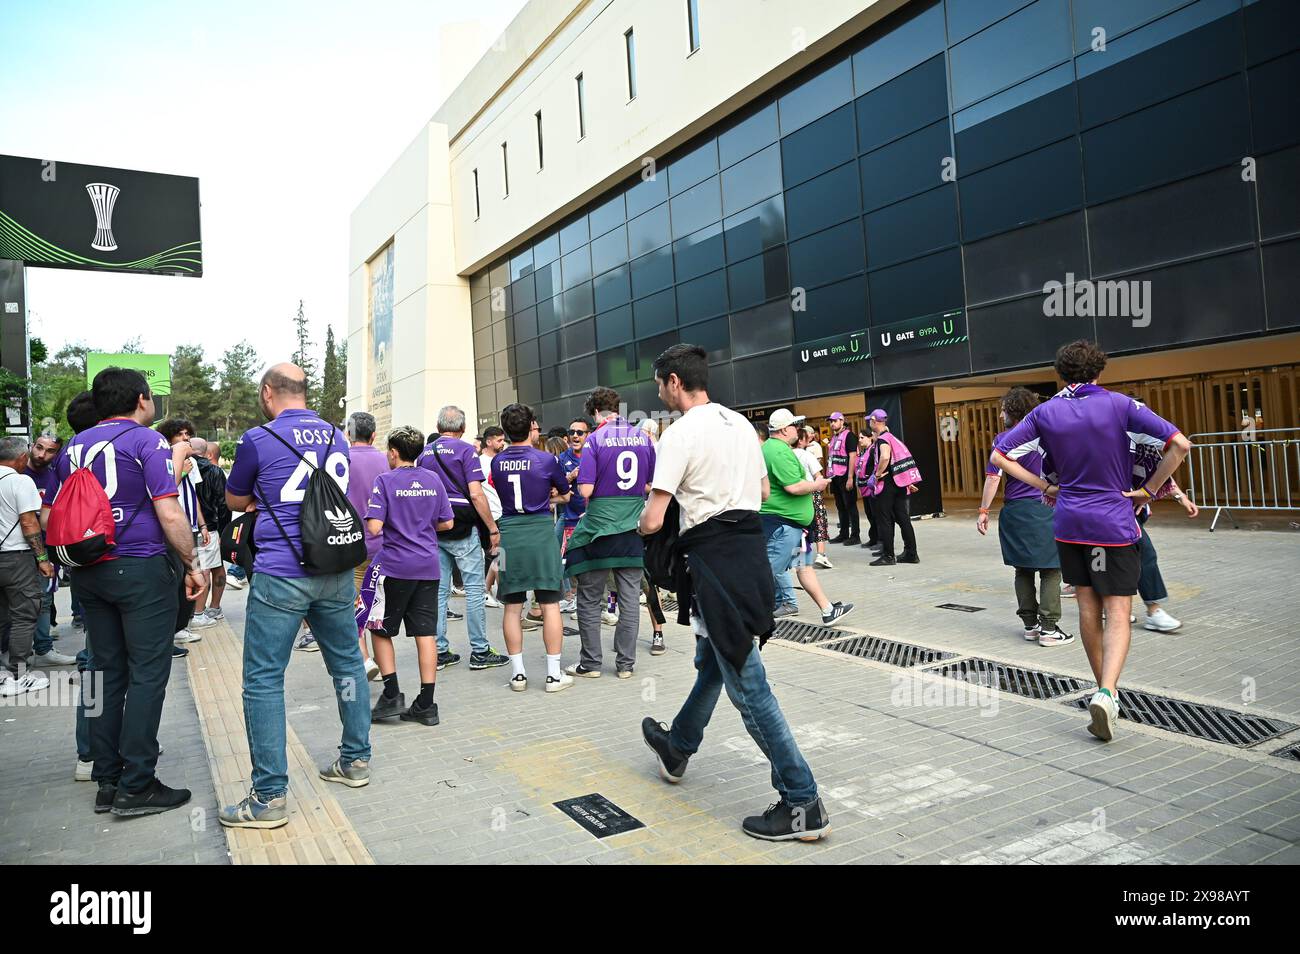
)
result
[(237, 406), (333, 379), (302, 358)]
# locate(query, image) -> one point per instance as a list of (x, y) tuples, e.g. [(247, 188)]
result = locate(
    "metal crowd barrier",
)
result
[(1245, 470)]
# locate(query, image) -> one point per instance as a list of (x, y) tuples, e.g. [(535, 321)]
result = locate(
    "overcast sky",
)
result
[(286, 111)]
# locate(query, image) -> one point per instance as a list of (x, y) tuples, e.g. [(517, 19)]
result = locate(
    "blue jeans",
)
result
[(784, 544), (42, 642), (752, 696), (467, 554), (276, 605)]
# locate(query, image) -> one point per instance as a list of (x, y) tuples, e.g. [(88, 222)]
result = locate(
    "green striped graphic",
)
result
[(21, 244)]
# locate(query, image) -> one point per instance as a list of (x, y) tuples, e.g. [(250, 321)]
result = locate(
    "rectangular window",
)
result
[(693, 23), (630, 41), (505, 169), (582, 109), (477, 209), (541, 162)]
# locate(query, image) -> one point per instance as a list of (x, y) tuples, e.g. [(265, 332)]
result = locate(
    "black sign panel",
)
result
[(915, 334), (66, 215), (598, 815), (837, 349)]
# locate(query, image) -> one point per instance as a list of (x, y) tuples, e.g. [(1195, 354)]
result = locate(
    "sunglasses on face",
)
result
[(577, 433)]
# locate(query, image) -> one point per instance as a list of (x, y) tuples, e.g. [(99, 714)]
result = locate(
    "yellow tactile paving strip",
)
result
[(318, 831)]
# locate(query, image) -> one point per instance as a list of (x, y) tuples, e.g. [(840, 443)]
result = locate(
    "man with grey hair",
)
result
[(22, 578), (456, 463), (368, 462)]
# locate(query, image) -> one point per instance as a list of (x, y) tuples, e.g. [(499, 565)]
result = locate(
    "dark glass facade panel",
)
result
[(648, 231), (1195, 301), (1037, 112), (695, 208), (827, 256), (500, 275), (579, 338), (548, 349), (614, 327), (582, 374), (1159, 144), (609, 250), (923, 286), (910, 165), (832, 310), (1203, 214), (923, 223), (702, 297), (525, 324), (500, 339), (699, 253), (576, 267), (926, 364), (827, 89), (647, 349), (835, 379), (751, 180), (968, 17), (479, 286), (577, 303), (652, 272), (503, 362), (755, 230), (1041, 185), (827, 200), (913, 100), (484, 368), (1115, 17), (757, 279), (1195, 46), (1282, 284), (607, 216), (722, 388), (898, 43), (551, 386), (480, 313), (521, 264), (547, 280), (655, 314), (645, 193), (1278, 177), (692, 167), (749, 135), (522, 294), (1016, 334), (617, 366), (820, 146), (713, 336), (765, 328), (546, 250), (530, 388), (1024, 260), (549, 313), (526, 356), (1011, 50), (612, 289), (763, 379), (483, 341), (1274, 105), (1272, 28)]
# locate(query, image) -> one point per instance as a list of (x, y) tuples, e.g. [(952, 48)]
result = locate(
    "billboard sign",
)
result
[(915, 334), (156, 368)]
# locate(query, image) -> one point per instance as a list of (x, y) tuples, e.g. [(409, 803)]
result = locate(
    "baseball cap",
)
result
[(878, 415), (783, 417), (836, 416)]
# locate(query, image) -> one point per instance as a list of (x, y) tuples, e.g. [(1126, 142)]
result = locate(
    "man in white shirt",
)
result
[(25, 569)]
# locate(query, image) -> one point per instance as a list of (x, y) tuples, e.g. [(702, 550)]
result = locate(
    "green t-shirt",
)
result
[(783, 468)]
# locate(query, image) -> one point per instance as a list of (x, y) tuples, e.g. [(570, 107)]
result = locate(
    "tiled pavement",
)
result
[(986, 778)]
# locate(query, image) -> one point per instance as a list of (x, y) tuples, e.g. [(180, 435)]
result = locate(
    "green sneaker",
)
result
[(353, 774), (252, 813)]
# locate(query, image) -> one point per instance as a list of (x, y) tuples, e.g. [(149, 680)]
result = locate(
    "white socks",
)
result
[(517, 664), (552, 665)]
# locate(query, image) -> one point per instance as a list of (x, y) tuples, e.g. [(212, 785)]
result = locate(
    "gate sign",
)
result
[(837, 349), (915, 334), (66, 215), (156, 368)]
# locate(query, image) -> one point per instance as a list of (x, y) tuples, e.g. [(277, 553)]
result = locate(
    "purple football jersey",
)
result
[(619, 460), (411, 502), (1032, 461), (523, 477), (455, 462)]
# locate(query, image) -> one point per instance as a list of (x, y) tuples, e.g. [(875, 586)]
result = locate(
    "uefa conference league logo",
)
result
[(103, 197)]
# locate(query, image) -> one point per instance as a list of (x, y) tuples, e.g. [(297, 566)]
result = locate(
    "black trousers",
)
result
[(891, 509), (846, 507), (873, 531), (130, 606)]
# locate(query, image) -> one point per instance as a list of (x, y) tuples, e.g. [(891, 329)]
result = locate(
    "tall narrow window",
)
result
[(541, 160), (505, 168), (582, 109), (477, 208), (630, 41), (693, 23)]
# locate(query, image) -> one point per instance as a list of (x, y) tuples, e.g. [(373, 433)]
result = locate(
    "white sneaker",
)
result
[(83, 771), (1067, 591), (53, 658), (824, 562), (372, 670), (608, 618), (235, 583), (1161, 622), (457, 590), (201, 621), (1104, 710), (492, 602), (556, 685), (30, 681), (519, 683), (216, 613), (1031, 635), (187, 636), (568, 606), (576, 670)]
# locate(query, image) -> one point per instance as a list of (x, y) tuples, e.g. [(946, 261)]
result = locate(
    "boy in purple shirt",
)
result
[(1088, 434), (529, 481), (408, 505)]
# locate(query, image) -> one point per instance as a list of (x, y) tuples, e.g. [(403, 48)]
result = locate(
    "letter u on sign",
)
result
[(884, 339)]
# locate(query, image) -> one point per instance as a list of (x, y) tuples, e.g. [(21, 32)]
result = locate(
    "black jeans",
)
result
[(873, 532), (846, 507), (130, 606), (891, 509)]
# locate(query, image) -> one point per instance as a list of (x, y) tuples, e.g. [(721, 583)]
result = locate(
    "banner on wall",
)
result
[(379, 319), (156, 368)]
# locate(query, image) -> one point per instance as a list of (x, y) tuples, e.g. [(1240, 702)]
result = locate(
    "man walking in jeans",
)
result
[(710, 462), (272, 466)]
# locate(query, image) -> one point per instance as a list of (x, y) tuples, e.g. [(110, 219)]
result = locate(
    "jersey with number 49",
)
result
[(619, 460), (276, 477)]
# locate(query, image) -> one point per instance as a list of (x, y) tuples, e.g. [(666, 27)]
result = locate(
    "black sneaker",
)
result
[(836, 613), (104, 797), (853, 542), (882, 561), (909, 558), (153, 800), (427, 716), (386, 707), (786, 822), (657, 645), (839, 539), (452, 614), (672, 764), (447, 659), (488, 660), (179, 652)]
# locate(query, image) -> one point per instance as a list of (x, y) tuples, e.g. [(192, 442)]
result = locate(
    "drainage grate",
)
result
[(669, 604), (889, 651), (794, 631), (1192, 718), (1291, 752), (1014, 679)]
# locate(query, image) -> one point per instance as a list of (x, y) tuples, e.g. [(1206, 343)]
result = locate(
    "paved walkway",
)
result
[(913, 769)]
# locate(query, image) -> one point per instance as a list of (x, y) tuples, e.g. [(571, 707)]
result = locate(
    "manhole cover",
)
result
[(889, 651), (1195, 719), (960, 607), (1291, 752), (1014, 679), (794, 631)]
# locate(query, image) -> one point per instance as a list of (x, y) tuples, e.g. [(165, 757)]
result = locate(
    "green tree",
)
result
[(237, 405), (333, 379), (55, 382), (194, 389), (302, 357)]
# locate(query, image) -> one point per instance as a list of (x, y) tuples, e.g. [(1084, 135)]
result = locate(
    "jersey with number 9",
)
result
[(619, 460)]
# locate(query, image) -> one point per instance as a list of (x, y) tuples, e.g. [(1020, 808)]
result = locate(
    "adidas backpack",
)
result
[(81, 531)]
